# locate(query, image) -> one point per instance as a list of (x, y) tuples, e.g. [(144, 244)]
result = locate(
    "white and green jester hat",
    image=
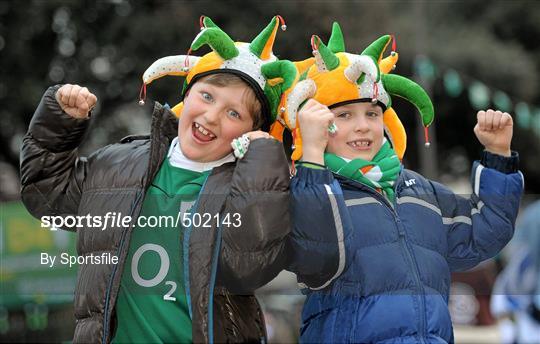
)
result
[(253, 62), (337, 78)]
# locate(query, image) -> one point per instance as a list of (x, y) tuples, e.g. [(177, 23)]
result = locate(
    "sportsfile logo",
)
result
[(110, 219), (117, 220)]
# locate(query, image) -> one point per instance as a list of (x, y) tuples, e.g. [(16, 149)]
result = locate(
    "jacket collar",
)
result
[(164, 129), (164, 123)]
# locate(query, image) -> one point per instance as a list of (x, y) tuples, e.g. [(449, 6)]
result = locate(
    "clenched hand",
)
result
[(75, 100)]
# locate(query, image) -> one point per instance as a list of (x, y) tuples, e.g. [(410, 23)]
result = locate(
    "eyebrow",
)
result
[(230, 102), (237, 105), (376, 108)]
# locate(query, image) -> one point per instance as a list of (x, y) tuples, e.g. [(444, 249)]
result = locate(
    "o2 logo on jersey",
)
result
[(160, 276)]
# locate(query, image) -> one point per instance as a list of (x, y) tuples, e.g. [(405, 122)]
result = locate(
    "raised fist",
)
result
[(494, 130), (75, 100)]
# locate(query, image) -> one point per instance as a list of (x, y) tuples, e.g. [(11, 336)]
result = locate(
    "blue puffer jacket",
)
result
[(380, 272)]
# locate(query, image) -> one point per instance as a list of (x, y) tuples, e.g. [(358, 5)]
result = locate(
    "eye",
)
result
[(233, 113), (344, 115), (372, 114), (207, 96)]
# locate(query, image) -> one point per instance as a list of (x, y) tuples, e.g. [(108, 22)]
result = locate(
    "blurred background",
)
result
[(469, 55)]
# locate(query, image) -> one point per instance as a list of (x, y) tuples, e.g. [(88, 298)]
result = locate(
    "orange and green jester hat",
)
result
[(336, 78), (254, 62)]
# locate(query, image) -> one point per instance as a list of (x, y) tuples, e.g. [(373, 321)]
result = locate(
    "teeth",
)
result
[(360, 143), (203, 131)]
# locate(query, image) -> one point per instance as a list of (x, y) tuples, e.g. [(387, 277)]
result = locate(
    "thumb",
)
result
[(476, 128)]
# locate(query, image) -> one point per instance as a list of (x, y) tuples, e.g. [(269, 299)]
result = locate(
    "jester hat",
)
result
[(338, 78), (253, 62)]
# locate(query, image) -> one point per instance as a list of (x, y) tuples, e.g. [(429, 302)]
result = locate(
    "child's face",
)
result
[(360, 131), (212, 117)]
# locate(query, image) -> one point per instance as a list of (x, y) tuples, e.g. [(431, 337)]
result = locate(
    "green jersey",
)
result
[(152, 305)]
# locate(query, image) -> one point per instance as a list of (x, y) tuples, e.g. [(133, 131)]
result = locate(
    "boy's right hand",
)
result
[(258, 134), (75, 100), (314, 119)]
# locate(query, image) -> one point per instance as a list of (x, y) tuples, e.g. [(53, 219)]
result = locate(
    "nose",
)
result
[(361, 123), (211, 115)]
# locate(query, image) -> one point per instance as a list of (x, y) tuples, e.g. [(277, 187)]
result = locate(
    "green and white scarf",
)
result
[(380, 173)]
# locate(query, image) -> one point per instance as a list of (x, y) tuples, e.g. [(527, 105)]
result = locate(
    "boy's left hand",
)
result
[(494, 131)]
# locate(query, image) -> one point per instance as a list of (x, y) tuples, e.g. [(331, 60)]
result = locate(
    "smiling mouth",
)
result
[(201, 133), (360, 144)]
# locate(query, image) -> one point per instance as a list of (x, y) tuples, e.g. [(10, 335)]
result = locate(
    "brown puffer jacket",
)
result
[(225, 265)]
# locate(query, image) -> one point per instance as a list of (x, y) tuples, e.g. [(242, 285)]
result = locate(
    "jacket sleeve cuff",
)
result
[(501, 163), (311, 165), (314, 175)]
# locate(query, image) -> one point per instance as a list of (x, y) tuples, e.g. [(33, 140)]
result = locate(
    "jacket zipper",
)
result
[(113, 273), (412, 262), (185, 252), (213, 274), (391, 207)]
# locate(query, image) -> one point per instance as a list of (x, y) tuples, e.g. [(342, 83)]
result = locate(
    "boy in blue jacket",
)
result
[(373, 243)]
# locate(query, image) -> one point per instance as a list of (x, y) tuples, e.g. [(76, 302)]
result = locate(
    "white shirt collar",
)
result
[(178, 159)]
